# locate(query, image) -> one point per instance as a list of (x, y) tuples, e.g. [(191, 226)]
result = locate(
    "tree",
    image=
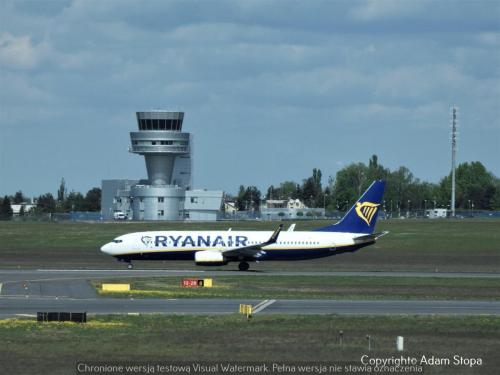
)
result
[(19, 197), (473, 183), (74, 202), (46, 203), (93, 200), (312, 192), (240, 199), (248, 198), (350, 182), (5, 209), (61, 192)]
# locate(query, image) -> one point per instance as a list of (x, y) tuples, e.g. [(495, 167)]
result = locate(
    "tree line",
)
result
[(64, 202), (476, 188)]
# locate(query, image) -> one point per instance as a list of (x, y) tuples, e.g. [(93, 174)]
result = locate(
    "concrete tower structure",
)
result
[(160, 140), (167, 193)]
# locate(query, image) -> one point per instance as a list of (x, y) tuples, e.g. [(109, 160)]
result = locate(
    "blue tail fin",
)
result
[(361, 218)]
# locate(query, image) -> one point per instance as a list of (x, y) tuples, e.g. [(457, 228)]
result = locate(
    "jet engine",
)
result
[(209, 258)]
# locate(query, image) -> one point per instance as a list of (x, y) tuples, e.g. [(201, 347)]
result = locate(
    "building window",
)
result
[(160, 212), (118, 200), (160, 199), (153, 143), (194, 200)]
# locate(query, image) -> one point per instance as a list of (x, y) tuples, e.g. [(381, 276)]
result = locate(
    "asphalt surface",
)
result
[(30, 305), (72, 274), (30, 291)]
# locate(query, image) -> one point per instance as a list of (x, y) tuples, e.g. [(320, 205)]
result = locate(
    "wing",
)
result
[(254, 251)]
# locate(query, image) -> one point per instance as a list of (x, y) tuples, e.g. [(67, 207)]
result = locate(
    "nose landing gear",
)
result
[(243, 266)]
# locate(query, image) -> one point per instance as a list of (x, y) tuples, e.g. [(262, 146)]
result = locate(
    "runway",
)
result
[(21, 305), (30, 291)]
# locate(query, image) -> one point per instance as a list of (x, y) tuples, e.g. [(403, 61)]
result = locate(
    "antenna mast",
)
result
[(454, 113)]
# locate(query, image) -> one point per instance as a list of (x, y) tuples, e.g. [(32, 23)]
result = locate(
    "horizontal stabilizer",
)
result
[(370, 237)]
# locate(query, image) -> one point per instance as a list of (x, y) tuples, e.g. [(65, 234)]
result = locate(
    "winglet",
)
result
[(274, 236)]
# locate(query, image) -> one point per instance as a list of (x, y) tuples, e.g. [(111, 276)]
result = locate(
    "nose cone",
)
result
[(107, 249)]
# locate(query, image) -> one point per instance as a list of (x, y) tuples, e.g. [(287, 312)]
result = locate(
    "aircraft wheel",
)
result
[(243, 266), (130, 266)]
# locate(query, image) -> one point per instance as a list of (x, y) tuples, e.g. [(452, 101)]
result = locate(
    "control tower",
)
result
[(167, 193), (160, 140)]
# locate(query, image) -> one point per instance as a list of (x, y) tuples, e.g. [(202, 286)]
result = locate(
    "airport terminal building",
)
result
[(167, 194)]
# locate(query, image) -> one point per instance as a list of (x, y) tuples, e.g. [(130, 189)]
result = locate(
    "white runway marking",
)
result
[(264, 304)]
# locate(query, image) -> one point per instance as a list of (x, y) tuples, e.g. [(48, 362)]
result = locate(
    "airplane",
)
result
[(215, 248)]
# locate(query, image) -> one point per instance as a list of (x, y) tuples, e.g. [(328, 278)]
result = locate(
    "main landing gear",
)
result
[(243, 266)]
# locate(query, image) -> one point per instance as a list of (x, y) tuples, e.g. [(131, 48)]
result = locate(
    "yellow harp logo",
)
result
[(366, 211)]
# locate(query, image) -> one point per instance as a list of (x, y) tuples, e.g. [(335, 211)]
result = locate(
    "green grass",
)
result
[(412, 245), (55, 348), (307, 287)]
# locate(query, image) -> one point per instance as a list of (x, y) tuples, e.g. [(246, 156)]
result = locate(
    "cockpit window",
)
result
[(117, 241)]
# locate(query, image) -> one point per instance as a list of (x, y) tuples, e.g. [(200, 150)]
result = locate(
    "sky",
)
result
[(270, 89)]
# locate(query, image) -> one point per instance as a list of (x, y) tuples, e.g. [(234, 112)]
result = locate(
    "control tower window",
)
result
[(155, 124), (149, 124), (168, 125), (162, 124)]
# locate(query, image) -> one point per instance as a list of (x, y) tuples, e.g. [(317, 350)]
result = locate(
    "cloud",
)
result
[(250, 75), (489, 38), (386, 9), (19, 52)]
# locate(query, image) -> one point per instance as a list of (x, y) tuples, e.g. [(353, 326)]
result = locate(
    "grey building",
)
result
[(167, 194)]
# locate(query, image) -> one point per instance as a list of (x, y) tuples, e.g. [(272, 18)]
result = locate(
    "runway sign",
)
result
[(61, 317), (246, 310), (195, 283), (115, 287)]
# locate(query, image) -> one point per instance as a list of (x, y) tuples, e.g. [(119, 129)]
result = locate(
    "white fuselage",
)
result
[(184, 244)]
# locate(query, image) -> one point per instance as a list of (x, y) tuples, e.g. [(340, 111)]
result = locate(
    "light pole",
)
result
[(324, 203), (425, 206), (408, 212)]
